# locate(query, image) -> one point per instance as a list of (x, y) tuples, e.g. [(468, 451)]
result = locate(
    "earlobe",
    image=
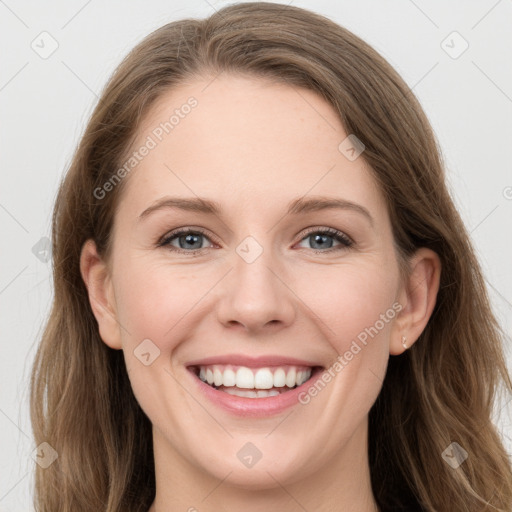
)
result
[(101, 297), (418, 298)]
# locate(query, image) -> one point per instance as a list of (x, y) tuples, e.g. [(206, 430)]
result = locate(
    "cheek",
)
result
[(353, 302), (152, 300)]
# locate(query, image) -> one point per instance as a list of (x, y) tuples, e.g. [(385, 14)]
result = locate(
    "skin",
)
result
[(253, 147)]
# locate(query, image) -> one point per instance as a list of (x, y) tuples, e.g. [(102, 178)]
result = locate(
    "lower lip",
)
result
[(254, 407)]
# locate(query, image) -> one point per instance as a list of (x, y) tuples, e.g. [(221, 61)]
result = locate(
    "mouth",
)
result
[(254, 382)]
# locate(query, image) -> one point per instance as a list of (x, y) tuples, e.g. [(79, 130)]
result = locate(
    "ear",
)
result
[(417, 297), (101, 294)]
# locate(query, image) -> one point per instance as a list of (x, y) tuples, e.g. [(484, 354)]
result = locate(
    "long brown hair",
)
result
[(442, 390)]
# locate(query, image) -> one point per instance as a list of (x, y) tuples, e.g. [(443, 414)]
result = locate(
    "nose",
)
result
[(255, 296)]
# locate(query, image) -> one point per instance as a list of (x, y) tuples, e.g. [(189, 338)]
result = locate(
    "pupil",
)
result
[(189, 239), (318, 238)]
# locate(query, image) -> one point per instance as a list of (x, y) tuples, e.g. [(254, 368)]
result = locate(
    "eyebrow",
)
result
[(295, 207)]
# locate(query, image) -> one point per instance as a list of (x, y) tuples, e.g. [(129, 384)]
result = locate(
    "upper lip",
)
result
[(252, 362)]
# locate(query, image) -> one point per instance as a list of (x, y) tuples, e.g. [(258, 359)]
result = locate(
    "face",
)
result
[(284, 299)]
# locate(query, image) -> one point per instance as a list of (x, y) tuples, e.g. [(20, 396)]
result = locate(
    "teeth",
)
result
[(229, 378), (279, 378), (291, 378), (244, 378), (261, 393), (217, 377), (263, 379)]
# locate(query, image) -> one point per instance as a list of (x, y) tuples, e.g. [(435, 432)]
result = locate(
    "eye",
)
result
[(187, 240), (320, 238), (191, 240)]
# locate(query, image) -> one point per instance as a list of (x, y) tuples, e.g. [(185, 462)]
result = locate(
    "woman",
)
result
[(255, 220)]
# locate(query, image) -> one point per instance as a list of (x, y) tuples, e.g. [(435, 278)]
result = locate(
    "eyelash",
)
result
[(344, 240)]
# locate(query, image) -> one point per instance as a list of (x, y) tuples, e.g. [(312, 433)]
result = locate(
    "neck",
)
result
[(343, 483)]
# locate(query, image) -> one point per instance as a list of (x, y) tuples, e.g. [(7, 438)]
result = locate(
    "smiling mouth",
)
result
[(248, 382)]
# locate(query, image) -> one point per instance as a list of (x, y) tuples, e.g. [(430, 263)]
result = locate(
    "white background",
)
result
[(45, 104)]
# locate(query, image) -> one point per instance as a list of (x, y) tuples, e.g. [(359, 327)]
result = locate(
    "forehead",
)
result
[(230, 137)]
